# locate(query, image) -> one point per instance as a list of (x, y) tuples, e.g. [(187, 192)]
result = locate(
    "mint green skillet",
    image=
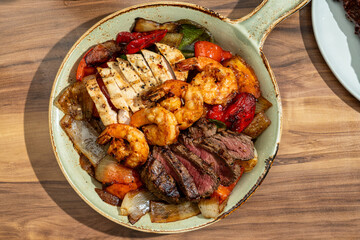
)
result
[(243, 36)]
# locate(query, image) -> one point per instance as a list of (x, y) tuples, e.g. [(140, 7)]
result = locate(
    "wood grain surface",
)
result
[(311, 192)]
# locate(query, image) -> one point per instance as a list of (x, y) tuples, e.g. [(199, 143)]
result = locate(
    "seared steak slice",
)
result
[(202, 128), (158, 181), (181, 175), (239, 146), (218, 149), (204, 176), (221, 168)]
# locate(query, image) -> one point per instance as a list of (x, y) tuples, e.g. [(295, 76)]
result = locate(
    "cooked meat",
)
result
[(173, 55), (181, 175), (107, 114), (205, 179), (221, 168), (239, 146), (158, 65), (142, 69), (218, 150), (352, 9), (102, 53), (158, 181), (202, 128)]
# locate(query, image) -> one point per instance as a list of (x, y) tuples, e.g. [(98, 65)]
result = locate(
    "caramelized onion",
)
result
[(136, 204), (162, 212)]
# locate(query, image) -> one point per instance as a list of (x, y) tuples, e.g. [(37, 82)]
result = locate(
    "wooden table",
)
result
[(312, 190)]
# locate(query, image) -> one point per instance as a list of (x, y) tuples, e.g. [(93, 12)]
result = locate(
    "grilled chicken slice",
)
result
[(113, 89), (107, 115), (158, 65), (131, 76), (173, 55), (138, 62), (127, 92)]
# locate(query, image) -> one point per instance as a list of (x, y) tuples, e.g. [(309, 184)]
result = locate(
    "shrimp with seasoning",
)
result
[(128, 144), (158, 124), (216, 82), (181, 98)]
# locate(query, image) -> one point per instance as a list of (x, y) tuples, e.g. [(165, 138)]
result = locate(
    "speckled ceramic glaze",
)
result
[(243, 36)]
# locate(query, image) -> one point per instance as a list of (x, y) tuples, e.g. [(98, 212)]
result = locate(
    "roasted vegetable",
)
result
[(240, 112), (126, 37), (102, 53), (211, 207), (108, 197), (250, 164), (262, 105), (86, 165), (83, 136), (172, 39), (109, 171), (76, 102), (83, 69), (245, 75), (144, 25), (161, 212), (121, 189), (145, 41), (191, 34), (136, 204), (211, 50), (258, 125)]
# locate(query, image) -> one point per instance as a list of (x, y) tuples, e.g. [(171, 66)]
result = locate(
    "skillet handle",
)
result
[(266, 16)]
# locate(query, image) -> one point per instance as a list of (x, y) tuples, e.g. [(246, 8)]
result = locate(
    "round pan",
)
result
[(243, 36)]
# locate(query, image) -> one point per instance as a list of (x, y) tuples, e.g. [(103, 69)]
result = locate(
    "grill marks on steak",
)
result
[(221, 168), (159, 181), (204, 176), (202, 128), (239, 146), (194, 167), (181, 175)]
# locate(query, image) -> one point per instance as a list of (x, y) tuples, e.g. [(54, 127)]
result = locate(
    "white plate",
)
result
[(337, 42)]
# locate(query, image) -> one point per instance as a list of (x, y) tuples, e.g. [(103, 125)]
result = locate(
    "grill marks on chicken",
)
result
[(201, 161)]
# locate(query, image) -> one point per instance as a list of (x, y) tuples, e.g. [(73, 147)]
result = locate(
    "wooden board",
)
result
[(312, 190)]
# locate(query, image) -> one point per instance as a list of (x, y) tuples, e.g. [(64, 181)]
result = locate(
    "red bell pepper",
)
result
[(136, 45), (211, 50), (216, 112), (240, 112), (226, 55), (83, 69), (126, 37)]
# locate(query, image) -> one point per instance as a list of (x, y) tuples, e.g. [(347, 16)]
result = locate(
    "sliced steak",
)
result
[(237, 146), (221, 168), (202, 128), (204, 176), (159, 181), (181, 175)]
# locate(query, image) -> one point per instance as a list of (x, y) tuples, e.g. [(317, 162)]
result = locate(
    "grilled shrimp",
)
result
[(159, 125), (127, 143), (216, 82), (174, 92)]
